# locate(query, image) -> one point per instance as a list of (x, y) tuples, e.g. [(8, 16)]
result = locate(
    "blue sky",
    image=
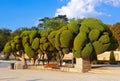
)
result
[(25, 13)]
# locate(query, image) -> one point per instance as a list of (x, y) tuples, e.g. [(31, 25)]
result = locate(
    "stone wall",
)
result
[(82, 65)]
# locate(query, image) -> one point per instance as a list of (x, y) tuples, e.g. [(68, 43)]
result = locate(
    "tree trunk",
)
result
[(23, 60), (32, 61), (36, 62)]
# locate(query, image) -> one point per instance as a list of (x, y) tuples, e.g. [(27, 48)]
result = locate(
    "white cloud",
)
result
[(115, 3), (85, 8)]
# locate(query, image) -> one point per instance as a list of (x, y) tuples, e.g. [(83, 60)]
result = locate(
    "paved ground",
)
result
[(97, 74)]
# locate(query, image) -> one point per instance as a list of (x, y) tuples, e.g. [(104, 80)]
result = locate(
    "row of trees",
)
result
[(85, 38)]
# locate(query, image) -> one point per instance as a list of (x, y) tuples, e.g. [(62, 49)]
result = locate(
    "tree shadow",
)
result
[(34, 80), (104, 66)]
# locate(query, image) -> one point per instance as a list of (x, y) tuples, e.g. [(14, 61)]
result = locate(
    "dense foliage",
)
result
[(94, 37), (115, 28), (4, 37), (112, 58)]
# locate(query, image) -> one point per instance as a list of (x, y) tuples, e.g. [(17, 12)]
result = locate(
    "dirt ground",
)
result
[(98, 73)]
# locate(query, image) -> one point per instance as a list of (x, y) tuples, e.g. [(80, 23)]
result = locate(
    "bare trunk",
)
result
[(36, 62), (32, 61), (23, 60)]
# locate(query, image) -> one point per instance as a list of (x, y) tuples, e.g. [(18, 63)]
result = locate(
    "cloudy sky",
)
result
[(25, 13)]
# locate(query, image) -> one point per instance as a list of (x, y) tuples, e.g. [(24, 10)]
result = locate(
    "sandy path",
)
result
[(46, 75)]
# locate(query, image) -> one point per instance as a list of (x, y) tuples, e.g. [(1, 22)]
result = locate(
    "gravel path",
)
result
[(46, 75)]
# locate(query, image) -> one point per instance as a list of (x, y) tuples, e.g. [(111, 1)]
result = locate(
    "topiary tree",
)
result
[(94, 37), (64, 38), (46, 47), (7, 50), (13, 46)]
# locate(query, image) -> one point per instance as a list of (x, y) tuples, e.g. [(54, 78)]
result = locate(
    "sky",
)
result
[(15, 14)]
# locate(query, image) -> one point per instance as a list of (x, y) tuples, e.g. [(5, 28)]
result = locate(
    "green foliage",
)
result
[(63, 28), (39, 32), (76, 53), (17, 39), (86, 38), (115, 28), (35, 43), (4, 37), (43, 40), (46, 45), (41, 48), (90, 23), (25, 33), (112, 58), (51, 37), (79, 43), (18, 47), (74, 26), (45, 33), (95, 38), (53, 23), (114, 43), (65, 50), (29, 51), (87, 51), (13, 45), (94, 35), (66, 39), (7, 49), (57, 41), (104, 39), (25, 40), (32, 35), (99, 47)]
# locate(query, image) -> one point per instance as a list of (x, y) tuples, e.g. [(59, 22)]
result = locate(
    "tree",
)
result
[(112, 58), (4, 37), (46, 48), (7, 50), (53, 23), (94, 38), (15, 47), (25, 43), (115, 28), (65, 37)]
